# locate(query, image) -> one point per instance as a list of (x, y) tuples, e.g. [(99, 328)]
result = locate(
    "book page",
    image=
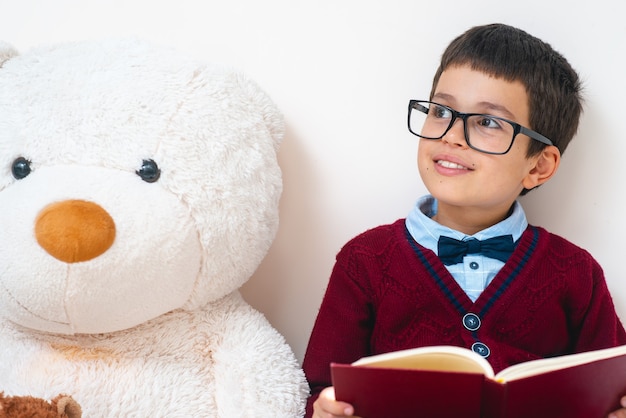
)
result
[(535, 367), (435, 358)]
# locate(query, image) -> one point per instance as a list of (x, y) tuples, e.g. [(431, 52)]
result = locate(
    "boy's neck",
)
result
[(468, 220)]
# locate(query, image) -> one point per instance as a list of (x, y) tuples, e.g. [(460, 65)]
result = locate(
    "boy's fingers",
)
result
[(622, 412), (329, 404)]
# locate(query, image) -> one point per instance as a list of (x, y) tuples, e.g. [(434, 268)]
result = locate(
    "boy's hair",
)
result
[(553, 86)]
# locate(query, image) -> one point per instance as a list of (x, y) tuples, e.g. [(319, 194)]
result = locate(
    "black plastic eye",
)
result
[(149, 171), (20, 168)]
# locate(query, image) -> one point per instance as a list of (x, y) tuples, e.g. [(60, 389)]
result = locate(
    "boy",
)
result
[(503, 107)]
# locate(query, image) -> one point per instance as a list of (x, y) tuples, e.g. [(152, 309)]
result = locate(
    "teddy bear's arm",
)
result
[(256, 373)]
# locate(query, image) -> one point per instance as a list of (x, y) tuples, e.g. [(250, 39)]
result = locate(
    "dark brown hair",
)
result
[(553, 86)]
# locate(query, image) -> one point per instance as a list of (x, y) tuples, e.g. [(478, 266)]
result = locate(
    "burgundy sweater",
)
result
[(388, 293)]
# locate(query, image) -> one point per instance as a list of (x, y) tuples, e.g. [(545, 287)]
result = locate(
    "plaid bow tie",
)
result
[(451, 251)]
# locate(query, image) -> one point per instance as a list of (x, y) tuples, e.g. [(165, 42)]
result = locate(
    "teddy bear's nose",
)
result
[(74, 230)]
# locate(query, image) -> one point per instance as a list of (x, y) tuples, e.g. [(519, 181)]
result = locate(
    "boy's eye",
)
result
[(488, 122), (440, 112)]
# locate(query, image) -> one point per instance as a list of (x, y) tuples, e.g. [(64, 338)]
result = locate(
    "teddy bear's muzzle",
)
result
[(74, 230)]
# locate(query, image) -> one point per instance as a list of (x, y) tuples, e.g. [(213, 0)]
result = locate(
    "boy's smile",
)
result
[(449, 166), (476, 190)]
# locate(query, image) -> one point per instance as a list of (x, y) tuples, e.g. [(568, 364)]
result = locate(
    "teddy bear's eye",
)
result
[(149, 171), (20, 168)]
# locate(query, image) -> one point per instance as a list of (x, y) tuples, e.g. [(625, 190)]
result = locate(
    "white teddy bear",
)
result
[(139, 190)]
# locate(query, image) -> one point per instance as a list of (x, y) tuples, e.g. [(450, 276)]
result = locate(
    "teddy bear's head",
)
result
[(133, 181), (62, 406)]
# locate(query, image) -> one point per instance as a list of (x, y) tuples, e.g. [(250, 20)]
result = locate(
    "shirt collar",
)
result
[(426, 231)]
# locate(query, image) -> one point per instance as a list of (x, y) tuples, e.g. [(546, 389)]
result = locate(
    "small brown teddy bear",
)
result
[(63, 406)]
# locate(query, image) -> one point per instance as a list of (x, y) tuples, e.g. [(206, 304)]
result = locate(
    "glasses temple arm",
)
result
[(535, 135)]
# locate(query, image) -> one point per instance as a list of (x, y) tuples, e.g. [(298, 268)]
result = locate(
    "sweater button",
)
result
[(471, 321), (481, 349)]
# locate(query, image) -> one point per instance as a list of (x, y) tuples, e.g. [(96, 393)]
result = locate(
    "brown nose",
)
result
[(74, 230)]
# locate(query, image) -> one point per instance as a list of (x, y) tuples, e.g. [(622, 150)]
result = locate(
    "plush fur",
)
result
[(138, 191)]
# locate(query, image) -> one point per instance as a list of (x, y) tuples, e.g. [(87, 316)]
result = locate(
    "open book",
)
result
[(446, 381)]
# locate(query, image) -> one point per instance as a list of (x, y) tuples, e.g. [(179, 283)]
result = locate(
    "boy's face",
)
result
[(479, 185)]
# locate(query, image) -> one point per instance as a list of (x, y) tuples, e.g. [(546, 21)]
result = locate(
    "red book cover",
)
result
[(403, 393), (587, 390), (585, 385)]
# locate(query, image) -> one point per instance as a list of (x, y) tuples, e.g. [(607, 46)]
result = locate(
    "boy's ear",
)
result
[(545, 165)]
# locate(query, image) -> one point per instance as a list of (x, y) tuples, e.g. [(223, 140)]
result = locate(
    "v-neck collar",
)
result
[(501, 282)]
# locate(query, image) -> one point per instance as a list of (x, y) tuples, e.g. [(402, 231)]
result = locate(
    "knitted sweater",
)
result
[(388, 293)]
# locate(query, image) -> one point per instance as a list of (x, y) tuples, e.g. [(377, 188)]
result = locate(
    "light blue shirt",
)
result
[(476, 271)]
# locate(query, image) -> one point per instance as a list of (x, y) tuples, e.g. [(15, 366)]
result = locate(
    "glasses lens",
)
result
[(429, 120), (489, 133)]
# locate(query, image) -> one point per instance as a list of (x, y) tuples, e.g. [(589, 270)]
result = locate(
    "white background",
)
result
[(342, 71)]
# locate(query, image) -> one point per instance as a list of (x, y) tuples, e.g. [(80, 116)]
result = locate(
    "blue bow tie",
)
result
[(451, 251)]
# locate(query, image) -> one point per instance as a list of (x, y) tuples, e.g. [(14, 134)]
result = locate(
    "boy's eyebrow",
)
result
[(490, 106), (499, 108)]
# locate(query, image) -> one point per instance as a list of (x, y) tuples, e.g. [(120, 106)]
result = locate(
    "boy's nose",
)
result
[(456, 134)]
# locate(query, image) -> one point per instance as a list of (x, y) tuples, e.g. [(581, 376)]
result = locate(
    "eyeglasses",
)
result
[(484, 133)]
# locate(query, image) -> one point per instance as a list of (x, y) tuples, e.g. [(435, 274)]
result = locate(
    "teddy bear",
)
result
[(139, 190), (62, 406)]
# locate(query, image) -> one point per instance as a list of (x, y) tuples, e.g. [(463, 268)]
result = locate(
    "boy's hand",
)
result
[(620, 413), (327, 407)]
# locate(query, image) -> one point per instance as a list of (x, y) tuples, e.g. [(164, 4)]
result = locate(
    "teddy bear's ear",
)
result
[(6, 52), (272, 116)]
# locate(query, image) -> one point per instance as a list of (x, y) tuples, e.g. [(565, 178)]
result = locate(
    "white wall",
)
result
[(342, 71)]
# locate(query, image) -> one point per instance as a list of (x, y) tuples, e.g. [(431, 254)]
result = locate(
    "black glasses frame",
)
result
[(517, 128)]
